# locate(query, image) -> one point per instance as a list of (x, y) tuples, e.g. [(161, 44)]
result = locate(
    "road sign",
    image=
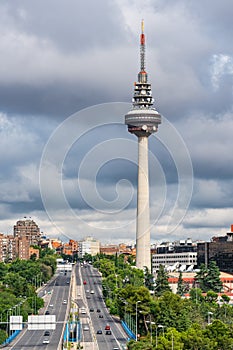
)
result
[(16, 323), (41, 322)]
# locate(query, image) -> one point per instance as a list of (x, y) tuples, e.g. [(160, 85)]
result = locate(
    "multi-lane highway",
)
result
[(94, 316), (55, 293), (97, 316)]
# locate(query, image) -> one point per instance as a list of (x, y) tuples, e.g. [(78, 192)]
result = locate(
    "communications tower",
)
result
[(142, 121)]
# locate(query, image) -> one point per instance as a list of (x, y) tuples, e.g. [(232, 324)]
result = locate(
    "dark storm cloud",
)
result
[(45, 47), (58, 57)]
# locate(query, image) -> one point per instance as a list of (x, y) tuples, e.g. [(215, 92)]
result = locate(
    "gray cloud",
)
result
[(58, 57)]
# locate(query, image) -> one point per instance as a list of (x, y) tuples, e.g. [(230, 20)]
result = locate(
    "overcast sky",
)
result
[(66, 81)]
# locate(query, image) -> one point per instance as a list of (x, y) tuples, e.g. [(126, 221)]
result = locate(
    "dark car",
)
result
[(98, 310), (108, 332), (46, 333), (47, 312), (101, 316), (91, 310), (99, 331)]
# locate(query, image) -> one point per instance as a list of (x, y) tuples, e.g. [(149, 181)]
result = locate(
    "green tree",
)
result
[(196, 295), (149, 279), (221, 334), (211, 297), (209, 278), (16, 283), (161, 282), (180, 285), (171, 310), (3, 336), (3, 270)]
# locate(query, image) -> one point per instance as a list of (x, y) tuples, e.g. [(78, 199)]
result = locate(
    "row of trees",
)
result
[(166, 320), (18, 283)]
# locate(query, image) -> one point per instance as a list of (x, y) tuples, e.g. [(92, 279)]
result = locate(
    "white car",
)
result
[(46, 341), (83, 311), (92, 292), (86, 328), (64, 301)]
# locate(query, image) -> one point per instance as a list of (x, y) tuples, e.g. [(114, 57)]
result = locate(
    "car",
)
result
[(91, 310), (50, 305), (47, 312), (84, 282), (87, 291), (92, 292), (98, 310), (107, 327), (47, 333), (86, 328), (83, 311), (108, 332), (46, 341), (88, 297), (67, 282), (101, 316), (64, 301), (99, 331)]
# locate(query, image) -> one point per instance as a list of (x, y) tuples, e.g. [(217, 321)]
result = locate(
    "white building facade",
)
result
[(89, 245)]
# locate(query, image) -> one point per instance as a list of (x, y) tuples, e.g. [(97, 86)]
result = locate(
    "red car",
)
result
[(84, 282), (107, 327)]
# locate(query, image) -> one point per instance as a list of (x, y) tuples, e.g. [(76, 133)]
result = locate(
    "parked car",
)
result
[(99, 331), (47, 333), (108, 333)]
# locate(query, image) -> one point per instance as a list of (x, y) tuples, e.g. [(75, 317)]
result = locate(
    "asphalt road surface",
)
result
[(95, 306), (55, 293)]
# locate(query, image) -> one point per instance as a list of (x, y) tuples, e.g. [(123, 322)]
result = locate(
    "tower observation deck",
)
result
[(143, 120)]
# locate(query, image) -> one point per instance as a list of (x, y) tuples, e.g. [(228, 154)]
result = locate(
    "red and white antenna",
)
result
[(142, 47)]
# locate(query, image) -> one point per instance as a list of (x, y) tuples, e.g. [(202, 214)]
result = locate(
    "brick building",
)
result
[(27, 229)]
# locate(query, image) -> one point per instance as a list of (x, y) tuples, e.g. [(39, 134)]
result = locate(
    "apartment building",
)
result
[(27, 229), (7, 248), (89, 245)]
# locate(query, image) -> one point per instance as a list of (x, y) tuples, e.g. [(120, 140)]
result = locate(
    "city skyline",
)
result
[(76, 59)]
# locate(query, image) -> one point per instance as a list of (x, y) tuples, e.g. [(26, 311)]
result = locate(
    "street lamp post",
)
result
[(209, 316), (156, 335), (139, 301), (150, 327)]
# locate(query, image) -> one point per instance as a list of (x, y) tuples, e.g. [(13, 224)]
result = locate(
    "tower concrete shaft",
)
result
[(143, 120), (143, 257)]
